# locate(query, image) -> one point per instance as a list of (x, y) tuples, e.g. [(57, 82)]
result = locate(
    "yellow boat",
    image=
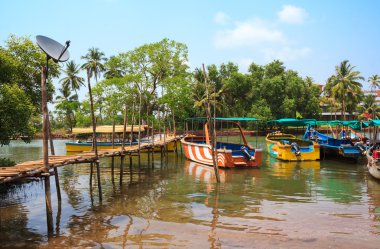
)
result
[(106, 131), (288, 147)]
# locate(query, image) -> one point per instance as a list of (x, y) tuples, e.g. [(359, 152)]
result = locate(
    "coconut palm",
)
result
[(66, 104), (369, 108), (94, 62), (72, 80), (93, 67), (375, 82), (343, 84)]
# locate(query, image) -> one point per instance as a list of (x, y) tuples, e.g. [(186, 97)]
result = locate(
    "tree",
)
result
[(15, 112), (66, 106), (21, 61), (94, 62), (344, 85), (72, 80), (375, 82), (154, 63), (369, 108)]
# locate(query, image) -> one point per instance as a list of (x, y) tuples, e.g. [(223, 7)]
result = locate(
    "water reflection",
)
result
[(172, 202)]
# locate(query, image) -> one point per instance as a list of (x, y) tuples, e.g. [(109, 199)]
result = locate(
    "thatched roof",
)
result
[(108, 129)]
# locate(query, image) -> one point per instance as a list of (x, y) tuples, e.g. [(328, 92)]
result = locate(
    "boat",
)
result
[(105, 132), (373, 153), (344, 147), (229, 154), (288, 147)]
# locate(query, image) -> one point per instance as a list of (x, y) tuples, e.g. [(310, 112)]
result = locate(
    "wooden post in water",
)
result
[(45, 128), (91, 172), (152, 143), (52, 151), (94, 143), (125, 123), (208, 114), (139, 135), (121, 169)]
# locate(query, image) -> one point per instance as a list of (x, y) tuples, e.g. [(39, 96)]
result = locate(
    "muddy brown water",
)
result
[(174, 203)]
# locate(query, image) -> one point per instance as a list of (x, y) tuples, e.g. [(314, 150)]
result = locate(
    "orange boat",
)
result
[(228, 154)]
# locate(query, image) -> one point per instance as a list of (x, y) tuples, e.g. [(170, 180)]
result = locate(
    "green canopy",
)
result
[(293, 122), (374, 122), (225, 119), (354, 124)]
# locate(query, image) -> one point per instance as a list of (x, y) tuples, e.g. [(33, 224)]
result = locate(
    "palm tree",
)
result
[(94, 67), (375, 82), (94, 59), (369, 108), (68, 104), (344, 82), (72, 80)]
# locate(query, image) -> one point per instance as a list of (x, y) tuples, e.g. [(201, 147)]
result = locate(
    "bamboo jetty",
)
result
[(37, 169)]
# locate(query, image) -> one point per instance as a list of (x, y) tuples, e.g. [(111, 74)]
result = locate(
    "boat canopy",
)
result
[(374, 122), (354, 124), (293, 122), (109, 129), (225, 119)]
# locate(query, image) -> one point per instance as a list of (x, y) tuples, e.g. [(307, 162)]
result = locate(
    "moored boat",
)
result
[(82, 146), (288, 147), (373, 164), (373, 153), (334, 147), (228, 154)]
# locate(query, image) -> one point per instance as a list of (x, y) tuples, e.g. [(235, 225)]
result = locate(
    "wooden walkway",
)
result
[(36, 168)]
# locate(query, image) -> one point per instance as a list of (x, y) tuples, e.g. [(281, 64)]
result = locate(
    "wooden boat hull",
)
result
[(279, 147), (338, 148), (82, 147), (373, 166), (197, 150), (349, 152)]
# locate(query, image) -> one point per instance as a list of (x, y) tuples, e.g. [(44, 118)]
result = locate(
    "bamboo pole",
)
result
[(208, 114)]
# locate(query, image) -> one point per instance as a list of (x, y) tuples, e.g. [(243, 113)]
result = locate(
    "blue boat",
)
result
[(343, 148)]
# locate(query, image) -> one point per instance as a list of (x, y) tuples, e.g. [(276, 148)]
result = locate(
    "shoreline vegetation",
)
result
[(154, 85)]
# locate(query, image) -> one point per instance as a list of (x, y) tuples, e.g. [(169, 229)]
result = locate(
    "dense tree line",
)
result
[(153, 83)]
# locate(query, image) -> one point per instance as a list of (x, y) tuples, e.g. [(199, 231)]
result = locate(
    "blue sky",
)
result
[(311, 37)]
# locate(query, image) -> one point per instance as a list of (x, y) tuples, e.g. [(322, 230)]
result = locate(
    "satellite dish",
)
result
[(53, 49)]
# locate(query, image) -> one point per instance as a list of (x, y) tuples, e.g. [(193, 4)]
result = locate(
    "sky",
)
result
[(311, 37)]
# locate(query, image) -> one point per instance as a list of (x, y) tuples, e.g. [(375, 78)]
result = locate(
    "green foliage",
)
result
[(72, 80), (6, 162), (20, 63), (16, 110), (279, 92), (345, 87), (369, 109)]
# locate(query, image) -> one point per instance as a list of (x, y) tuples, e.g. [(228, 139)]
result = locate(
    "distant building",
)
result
[(376, 93)]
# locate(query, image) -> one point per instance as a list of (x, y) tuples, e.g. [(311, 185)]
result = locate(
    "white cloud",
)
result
[(248, 33), (221, 18), (292, 14), (286, 54)]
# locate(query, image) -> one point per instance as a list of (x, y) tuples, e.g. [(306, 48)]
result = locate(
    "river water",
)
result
[(174, 203)]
